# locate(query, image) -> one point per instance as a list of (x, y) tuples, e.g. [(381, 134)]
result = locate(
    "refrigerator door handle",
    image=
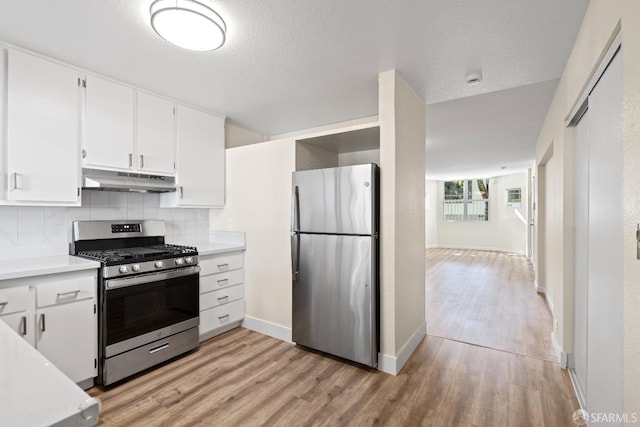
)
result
[(295, 255), (296, 207)]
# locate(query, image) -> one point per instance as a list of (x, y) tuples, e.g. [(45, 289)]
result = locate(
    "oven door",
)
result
[(141, 309)]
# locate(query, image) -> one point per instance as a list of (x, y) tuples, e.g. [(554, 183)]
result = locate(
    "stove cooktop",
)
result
[(144, 253)]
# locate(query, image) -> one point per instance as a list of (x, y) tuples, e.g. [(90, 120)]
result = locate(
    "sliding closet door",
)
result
[(581, 272), (605, 271)]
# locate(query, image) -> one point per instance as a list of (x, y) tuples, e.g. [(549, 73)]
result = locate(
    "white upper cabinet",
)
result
[(155, 134), (43, 131), (200, 160), (109, 125)]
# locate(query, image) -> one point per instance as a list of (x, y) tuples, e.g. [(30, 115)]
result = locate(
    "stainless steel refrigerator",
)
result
[(334, 253)]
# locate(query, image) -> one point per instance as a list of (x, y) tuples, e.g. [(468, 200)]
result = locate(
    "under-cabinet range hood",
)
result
[(95, 179)]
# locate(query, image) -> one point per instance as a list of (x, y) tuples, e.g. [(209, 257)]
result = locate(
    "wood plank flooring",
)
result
[(243, 378), (487, 298)]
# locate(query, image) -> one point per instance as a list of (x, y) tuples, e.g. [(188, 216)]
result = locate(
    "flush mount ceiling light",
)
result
[(188, 24), (473, 78)]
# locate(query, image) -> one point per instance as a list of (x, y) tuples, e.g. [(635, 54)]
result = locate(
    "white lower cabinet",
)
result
[(221, 293), (57, 315), (68, 343), (18, 322)]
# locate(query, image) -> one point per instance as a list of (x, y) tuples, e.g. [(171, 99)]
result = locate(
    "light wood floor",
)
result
[(245, 378), (487, 298)]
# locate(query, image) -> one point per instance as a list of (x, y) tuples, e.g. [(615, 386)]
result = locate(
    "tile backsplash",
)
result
[(43, 231)]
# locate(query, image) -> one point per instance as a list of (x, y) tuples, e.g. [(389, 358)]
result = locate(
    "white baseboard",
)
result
[(393, 364), (431, 246), (267, 328), (577, 389), (557, 348), (547, 297), (482, 248)]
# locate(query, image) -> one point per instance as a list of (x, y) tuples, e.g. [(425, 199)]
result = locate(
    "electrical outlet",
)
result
[(229, 223)]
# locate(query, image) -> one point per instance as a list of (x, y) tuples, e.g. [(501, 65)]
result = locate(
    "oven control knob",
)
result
[(159, 264), (179, 261), (188, 260), (124, 269), (135, 267)]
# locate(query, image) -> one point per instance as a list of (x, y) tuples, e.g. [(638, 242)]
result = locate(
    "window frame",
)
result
[(466, 200)]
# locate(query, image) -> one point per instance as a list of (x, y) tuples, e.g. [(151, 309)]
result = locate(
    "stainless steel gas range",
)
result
[(148, 294)]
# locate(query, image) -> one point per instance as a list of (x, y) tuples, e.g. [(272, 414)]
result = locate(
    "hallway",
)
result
[(487, 299)]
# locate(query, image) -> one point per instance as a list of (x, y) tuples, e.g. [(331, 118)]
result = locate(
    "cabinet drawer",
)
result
[(220, 280), (221, 296), (217, 317), (65, 290), (14, 299), (221, 263)]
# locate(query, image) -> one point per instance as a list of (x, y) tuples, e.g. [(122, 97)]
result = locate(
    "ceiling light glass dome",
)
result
[(188, 24)]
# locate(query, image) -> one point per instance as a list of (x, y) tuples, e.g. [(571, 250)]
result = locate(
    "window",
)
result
[(514, 197), (466, 200)]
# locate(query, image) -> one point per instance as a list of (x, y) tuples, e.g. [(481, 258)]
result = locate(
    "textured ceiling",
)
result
[(295, 64)]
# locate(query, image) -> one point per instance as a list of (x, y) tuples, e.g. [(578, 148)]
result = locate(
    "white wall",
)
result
[(258, 186), (44, 231), (431, 213), (402, 155), (359, 158), (602, 21), (506, 230)]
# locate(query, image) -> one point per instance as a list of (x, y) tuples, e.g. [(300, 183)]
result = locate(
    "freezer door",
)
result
[(336, 200), (334, 296)]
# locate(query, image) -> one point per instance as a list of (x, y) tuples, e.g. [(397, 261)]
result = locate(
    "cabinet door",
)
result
[(108, 125), (43, 130), (200, 158), (67, 336), (155, 130), (19, 323)]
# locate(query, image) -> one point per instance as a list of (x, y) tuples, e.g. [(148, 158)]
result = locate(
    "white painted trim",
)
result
[(565, 358), (547, 297), (267, 328), (431, 246), (393, 364), (480, 248), (557, 349), (346, 126), (576, 389), (616, 41), (535, 285)]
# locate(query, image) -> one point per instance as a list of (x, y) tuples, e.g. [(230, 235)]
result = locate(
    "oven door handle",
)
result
[(151, 277)]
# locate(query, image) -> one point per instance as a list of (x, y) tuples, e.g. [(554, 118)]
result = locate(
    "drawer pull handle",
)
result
[(223, 280), (64, 294), (220, 318), (226, 297), (160, 348), (225, 265), (43, 326), (3, 303), (23, 330)]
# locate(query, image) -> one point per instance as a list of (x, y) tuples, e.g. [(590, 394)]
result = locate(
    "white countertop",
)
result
[(36, 393), (214, 243), (39, 266)]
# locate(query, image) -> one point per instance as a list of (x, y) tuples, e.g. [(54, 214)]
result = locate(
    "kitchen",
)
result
[(101, 85)]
